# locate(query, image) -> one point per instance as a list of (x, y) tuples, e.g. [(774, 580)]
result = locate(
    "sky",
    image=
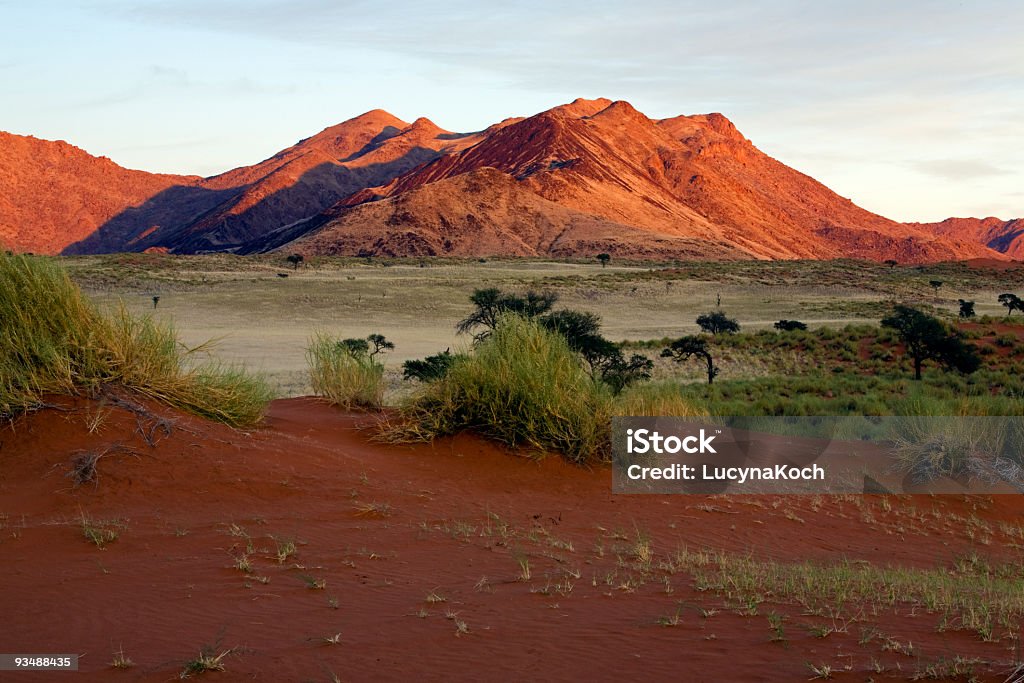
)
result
[(912, 109)]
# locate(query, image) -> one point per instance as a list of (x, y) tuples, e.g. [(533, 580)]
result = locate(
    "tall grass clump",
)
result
[(988, 448), (54, 341), (522, 386), (657, 399), (346, 378)]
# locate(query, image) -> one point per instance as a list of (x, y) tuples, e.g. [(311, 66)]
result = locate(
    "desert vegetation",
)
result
[(347, 372), (53, 340)]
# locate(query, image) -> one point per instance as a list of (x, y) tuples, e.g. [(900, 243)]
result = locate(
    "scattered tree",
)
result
[(966, 309), (156, 300), (935, 285), (490, 303), (892, 263), (1012, 303), (717, 322), (926, 338), (684, 348), (430, 368), (606, 361), (360, 348), (604, 259), (790, 325), (380, 344), (295, 260), (357, 348)]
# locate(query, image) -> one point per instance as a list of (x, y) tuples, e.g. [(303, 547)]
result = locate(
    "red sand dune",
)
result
[(612, 178), (385, 527)]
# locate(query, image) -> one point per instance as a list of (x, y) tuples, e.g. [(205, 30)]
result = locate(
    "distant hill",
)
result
[(1006, 237)]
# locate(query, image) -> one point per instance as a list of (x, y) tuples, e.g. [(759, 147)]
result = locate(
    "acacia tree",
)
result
[(430, 368), (491, 302), (360, 348), (1012, 303), (380, 344), (604, 259), (966, 309), (926, 338), (606, 361), (295, 260), (717, 322), (935, 285), (357, 348), (682, 349)]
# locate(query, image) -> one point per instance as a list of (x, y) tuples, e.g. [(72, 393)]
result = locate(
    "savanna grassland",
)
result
[(266, 321)]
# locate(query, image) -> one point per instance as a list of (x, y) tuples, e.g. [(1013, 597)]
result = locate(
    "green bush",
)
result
[(522, 386), (54, 341), (344, 375)]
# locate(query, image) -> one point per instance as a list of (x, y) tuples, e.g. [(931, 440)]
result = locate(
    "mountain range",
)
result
[(579, 179)]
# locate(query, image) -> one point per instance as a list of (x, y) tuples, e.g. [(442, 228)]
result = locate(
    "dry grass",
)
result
[(54, 340)]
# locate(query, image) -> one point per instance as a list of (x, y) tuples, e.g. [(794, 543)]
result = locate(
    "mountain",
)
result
[(226, 211), (53, 194), (592, 175), (694, 177), (1006, 237), (482, 212)]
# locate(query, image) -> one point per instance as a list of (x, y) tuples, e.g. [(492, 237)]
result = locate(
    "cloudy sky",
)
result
[(912, 109)]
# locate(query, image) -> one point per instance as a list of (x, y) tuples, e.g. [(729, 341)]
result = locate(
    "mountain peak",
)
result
[(377, 117), (621, 109), (581, 107), (425, 125)]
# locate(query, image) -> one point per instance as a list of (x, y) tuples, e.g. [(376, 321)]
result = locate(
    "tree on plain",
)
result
[(684, 348), (926, 338), (717, 322), (1012, 303)]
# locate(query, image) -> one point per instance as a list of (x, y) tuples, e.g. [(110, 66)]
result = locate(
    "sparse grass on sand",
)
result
[(345, 379), (54, 340), (972, 595)]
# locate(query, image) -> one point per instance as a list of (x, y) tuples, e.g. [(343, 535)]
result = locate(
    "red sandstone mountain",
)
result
[(1006, 237), (53, 194), (226, 211), (693, 177), (590, 175)]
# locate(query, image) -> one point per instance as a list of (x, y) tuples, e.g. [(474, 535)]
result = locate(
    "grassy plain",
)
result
[(265, 321)]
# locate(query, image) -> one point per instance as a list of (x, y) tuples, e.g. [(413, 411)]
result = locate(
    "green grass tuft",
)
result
[(522, 386), (54, 341), (346, 379)]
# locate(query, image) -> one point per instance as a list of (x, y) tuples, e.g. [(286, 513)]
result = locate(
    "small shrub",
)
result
[(346, 378), (1006, 341), (430, 368), (790, 325)]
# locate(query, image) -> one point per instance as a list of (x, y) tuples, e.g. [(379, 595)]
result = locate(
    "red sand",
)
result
[(168, 585)]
